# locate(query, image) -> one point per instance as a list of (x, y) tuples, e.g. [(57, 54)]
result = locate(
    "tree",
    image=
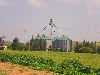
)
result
[(86, 50), (98, 49), (15, 44), (77, 43), (85, 47), (84, 41), (77, 47), (37, 44), (20, 46), (32, 43), (86, 44), (9, 45), (94, 49), (27, 46)]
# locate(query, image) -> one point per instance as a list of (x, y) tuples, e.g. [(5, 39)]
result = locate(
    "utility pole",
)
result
[(2, 42), (51, 28)]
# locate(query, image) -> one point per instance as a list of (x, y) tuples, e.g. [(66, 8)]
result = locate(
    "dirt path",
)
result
[(12, 69)]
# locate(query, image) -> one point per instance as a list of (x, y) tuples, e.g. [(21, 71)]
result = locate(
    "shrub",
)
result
[(86, 50), (98, 49)]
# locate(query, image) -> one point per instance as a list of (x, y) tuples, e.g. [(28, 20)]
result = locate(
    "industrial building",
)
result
[(63, 43), (45, 39)]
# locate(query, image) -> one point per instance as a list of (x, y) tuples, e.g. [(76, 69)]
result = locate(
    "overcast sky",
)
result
[(77, 19)]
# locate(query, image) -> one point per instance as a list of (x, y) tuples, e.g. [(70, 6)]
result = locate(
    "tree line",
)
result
[(40, 45), (86, 47), (33, 45)]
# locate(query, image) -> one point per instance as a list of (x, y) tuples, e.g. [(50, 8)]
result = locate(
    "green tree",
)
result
[(15, 44), (94, 48), (85, 47), (86, 44), (32, 44), (9, 45), (77, 47), (27, 46), (98, 49), (37, 44), (20, 46), (86, 50), (84, 41)]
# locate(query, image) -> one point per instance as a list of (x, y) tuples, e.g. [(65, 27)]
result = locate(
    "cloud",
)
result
[(4, 3), (37, 3), (69, 1), (89, 4), (89, 12), (93, 2)]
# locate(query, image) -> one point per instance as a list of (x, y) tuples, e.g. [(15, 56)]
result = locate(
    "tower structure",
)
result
[(51, 29), (63, 43)]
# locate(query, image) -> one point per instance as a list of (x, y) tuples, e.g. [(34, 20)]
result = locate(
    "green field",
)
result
[(84, 58), (98, 43)]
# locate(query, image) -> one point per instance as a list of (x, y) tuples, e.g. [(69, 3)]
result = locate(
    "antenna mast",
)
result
[(51, 28)]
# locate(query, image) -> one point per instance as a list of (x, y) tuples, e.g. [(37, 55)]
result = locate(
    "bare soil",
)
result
[(14, 69)]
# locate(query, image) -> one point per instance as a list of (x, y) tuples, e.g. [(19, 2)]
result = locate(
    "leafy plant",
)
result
[(66, 67)]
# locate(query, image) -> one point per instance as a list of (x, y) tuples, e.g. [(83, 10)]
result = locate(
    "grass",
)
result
[(2, 73), (98, 43), (85, 58)]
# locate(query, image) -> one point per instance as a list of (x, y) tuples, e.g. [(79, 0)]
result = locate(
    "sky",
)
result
[(77, 19)]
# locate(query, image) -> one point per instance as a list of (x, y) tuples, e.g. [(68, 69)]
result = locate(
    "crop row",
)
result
[(66, 67)]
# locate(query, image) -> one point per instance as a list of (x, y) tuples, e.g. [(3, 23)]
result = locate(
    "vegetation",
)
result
[(59, 62), (90, 59), (16, 45), (33, 45), (85, 47), (37, 45), (2, 73), (40, 45), (67, 66), (98, 49)]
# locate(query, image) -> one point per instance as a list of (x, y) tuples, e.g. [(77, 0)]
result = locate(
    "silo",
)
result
[(48, 44), (68, 45), (63, 43)]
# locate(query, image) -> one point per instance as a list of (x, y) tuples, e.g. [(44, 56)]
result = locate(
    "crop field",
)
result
[(58, 62), (84, 58)]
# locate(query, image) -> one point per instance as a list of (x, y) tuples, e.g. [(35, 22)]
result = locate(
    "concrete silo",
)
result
[(44, 39), (63, 43)]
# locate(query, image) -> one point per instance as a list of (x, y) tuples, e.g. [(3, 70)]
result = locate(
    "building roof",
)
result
[(55, 38), (60, 38), (44, 37)]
